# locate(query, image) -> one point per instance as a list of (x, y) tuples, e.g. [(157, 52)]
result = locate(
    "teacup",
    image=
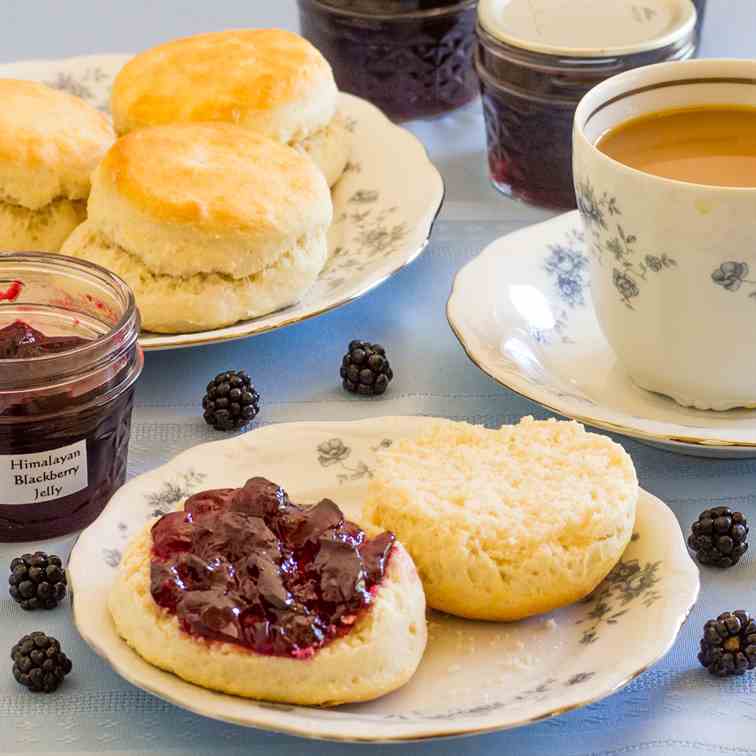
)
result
[(673, 264)]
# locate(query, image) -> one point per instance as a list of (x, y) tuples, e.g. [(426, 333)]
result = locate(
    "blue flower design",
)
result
[(593, 208), (609, 237), (730, 275), (565, 261), (571, 289), (567, 264), (625, 286)]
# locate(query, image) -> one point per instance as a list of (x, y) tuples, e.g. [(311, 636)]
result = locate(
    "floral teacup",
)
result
[(671, 261)]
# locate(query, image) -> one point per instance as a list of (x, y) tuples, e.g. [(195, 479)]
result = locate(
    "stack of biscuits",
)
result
[(208, 223), (211, 198)]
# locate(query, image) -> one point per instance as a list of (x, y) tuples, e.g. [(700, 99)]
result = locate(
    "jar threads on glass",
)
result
[(410, 58), (69, 359), (535, 70)]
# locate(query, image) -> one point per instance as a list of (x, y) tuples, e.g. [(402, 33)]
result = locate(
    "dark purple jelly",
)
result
[(41, 430), (411, 58), (19, 340), (529, 102), (69, 359), (250, 567), (529, 148)]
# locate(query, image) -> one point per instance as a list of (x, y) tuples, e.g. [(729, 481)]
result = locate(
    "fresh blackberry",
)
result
[(37, 581), (719, 537), (365, 369), (38, 663), (728, 646), (231, 401)]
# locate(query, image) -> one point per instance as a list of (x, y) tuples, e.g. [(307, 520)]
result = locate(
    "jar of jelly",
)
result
[(69, 359), (537, 58), (411, 58)]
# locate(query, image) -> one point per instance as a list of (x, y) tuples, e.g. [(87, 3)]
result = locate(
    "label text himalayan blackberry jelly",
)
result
[(43, 476)]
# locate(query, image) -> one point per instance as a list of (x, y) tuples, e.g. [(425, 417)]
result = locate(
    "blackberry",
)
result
[(37, 581), (718, 537), (728, 646), (38, 663), (231, 401), (365, 369)]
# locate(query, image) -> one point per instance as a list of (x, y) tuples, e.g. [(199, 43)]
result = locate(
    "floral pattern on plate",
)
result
[(334, 452), (568, 266), (475, 676), (731, 275), (384, 205)]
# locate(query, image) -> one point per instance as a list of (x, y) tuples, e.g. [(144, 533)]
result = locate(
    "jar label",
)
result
[(44, 476)]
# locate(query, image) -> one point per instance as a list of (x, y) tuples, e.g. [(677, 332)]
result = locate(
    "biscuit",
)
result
[(329, 149), (504, 524), (50, 142), (269, 81), (208, 223), (202, 301), (207, 198), (42, 230), (379, 654)]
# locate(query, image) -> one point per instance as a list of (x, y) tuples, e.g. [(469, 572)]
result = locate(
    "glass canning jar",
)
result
[(411, 58), (537, 59), (69, 359)]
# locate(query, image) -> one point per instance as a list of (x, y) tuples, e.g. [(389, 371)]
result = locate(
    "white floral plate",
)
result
[(523, 313), (384, 206), (475, 677)]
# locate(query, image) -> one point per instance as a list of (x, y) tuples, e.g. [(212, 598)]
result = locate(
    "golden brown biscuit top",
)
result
[(231, 76), (44, 129), (215, 176)]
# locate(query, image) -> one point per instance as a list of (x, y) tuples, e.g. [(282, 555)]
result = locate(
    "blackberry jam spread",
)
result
[(411, 58), (69, 359), (248, 566), (536, 59)]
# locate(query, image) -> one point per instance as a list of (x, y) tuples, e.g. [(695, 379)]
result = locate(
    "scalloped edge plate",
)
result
[(475, 677)]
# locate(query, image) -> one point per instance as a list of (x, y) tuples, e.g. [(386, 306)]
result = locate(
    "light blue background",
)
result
[(673, 709)]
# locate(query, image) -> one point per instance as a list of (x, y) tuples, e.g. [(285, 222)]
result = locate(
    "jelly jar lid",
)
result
[(588, 28)]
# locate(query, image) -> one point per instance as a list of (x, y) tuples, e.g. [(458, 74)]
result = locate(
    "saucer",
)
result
[(522, 311), (475, 677)]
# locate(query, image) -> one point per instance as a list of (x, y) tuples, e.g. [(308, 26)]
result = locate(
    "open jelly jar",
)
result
[(69, 359), (537, 58), (411, 58)]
